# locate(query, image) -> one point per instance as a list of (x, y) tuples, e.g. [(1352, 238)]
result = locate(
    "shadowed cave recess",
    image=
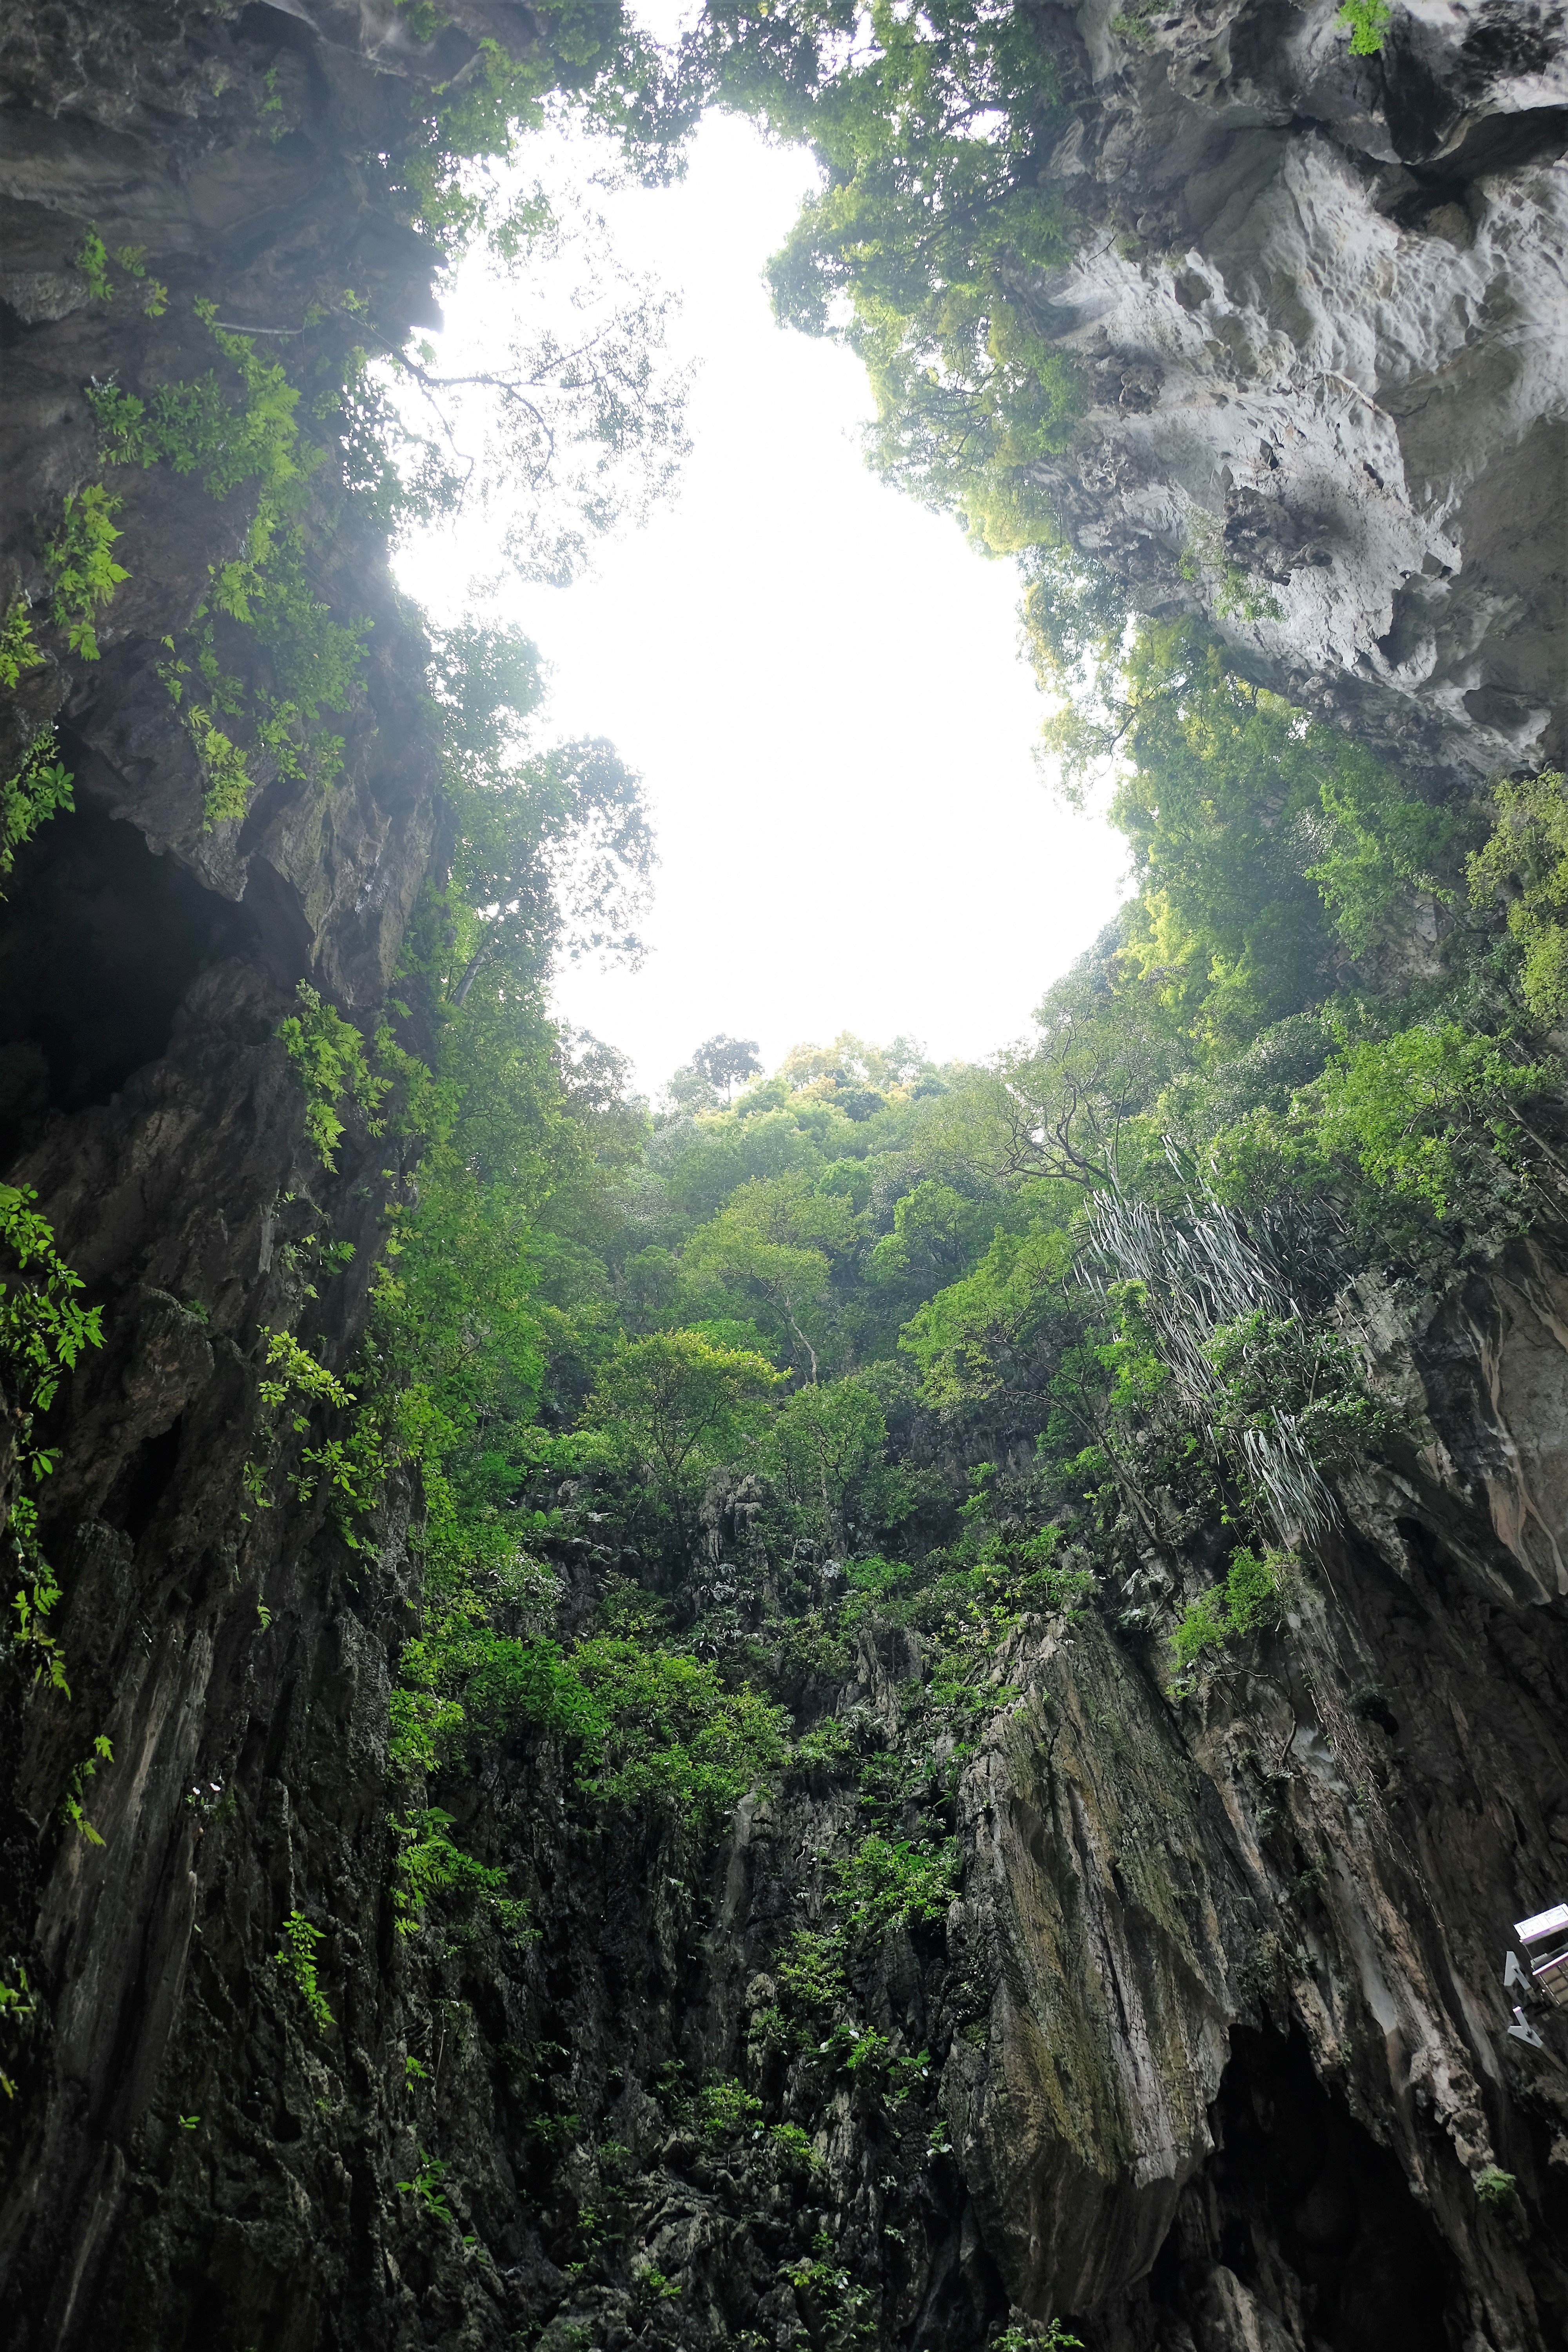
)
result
[(537, 1895)]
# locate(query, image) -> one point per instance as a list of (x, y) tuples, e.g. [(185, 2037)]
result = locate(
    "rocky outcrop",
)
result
[(233, 1657), (1217, 2030), (1320, 308)]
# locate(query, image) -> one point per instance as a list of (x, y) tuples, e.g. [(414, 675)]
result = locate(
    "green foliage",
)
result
[(1526, 861), (295, 1959), (1381, 848), (1404, 1106), (328, 1054), (824, 1452), (1222, 775), (932, 130), (1257, 1589), (39, 791), (73, 1812), (353, 1469), (132, 259), (524, 815), (667, 1729), (229, 782), (770, 1250), (294, 1368), (245, 435), (796, 2147), (426, 2188), (674, 1403), (429, 1863), (890, 1883), (811, 1969), (423, 17), (1367, 21), (645, 1725), (93, 261), (43, 1330), (37, 1590), (18, 650), (18, 2008), (1267, 1366), (727, 2108), (83, 573), (244, 432), (1495, 2188), (961, 1338)]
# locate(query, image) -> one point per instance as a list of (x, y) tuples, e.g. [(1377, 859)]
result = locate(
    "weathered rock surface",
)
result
[(1324, 312), (235, 1658), (1218, 2018)]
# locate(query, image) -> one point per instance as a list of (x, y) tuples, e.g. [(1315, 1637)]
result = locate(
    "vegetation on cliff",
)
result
[(705, 1408)]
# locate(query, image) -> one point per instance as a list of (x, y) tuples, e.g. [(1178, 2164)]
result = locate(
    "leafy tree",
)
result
[(824, 1449), (1527, 860), (1253, 1599), (673, 1403), (1404, 1106), (932, 129), (556, 435), (554, 848), (725, 1060), (772, 1246), (849, 1067), (937, 1232), (971, 1339)]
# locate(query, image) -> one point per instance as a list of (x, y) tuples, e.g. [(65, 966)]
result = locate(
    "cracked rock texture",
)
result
[(1322, 307), (1216, 2033)]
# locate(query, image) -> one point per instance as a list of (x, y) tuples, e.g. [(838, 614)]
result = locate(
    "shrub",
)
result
[(811, 1969), (328, 1054), (1252, 1599), (727, 2106), (296, 1960), (1367, 20), (794, 2148), (1528, 857), (888, 1884)]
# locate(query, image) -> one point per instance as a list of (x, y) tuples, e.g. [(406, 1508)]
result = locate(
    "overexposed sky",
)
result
[(820, 684)]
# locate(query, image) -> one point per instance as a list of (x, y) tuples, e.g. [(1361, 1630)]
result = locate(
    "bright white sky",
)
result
[(821, 686)]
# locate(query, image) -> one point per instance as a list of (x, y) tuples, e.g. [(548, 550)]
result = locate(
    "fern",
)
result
[(40, 789), (84, 572)]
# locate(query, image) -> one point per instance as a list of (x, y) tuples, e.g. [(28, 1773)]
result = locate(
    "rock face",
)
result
[(145, 966), (1324, 313), (1218, 2021)]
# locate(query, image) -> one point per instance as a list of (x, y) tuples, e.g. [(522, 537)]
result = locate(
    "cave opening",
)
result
[(1308, 2211), (141, 1484), (100, 940)]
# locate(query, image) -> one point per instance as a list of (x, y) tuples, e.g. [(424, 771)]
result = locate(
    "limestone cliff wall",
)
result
[(1323, 320), (1217, 2018), (231, 1657)]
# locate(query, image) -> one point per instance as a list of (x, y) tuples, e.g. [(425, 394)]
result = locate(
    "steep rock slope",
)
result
[(147, 962), (1215, 2036), (1323, 325), (1218, 2021)]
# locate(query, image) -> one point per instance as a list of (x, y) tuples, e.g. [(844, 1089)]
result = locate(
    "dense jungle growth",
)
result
[(754, 1473)]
